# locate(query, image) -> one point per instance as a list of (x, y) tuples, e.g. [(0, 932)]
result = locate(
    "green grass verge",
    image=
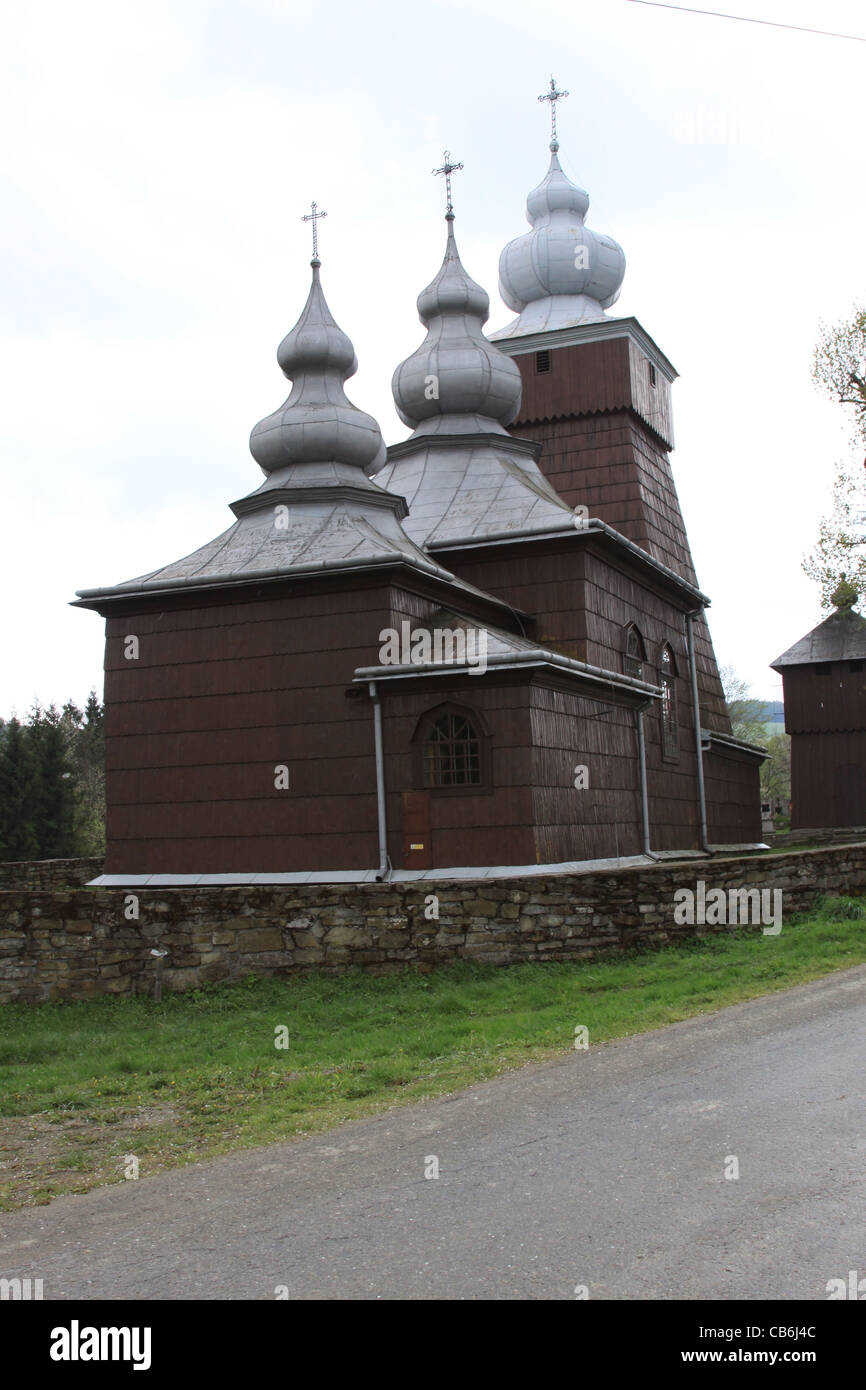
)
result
[(83, 1085)]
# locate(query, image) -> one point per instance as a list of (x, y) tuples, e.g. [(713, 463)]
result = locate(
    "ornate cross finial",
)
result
[(313, 216), (553, 96), (448, 169)]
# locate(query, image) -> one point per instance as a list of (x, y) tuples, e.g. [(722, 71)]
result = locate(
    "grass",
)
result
[(85, 1085)]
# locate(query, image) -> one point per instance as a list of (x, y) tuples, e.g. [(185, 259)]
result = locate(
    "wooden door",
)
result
[(417, 848)]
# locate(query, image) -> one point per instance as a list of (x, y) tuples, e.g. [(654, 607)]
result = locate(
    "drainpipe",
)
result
[(384, 863), (696, 708), (644, 799)]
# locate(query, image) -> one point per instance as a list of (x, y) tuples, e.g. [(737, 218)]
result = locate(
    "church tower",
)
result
[(596, 389)]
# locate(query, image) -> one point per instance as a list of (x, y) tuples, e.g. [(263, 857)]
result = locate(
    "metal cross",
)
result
[(448, 169), (312, 216), (553, 96)]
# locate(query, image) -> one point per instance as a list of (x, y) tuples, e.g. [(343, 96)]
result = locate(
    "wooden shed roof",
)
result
[(841, 637)]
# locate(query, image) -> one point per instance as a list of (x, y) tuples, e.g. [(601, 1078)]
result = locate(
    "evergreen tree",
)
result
[(52, 783), (56, 798), (18, 839), (88, 758)]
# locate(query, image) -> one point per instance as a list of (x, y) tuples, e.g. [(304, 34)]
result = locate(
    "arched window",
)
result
[(670, 721), (635, 653), (451, 752)]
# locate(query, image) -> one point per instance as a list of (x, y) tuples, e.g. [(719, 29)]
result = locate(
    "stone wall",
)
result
[(77, 943), (50, 873), (841, 835)]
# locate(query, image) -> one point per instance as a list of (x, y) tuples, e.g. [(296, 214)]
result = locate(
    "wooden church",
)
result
[(483, 648), (824, 682)]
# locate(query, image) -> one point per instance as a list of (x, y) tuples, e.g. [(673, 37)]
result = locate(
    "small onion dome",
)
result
[(317, 423), (845, 595), (456, 372), (559, 257)]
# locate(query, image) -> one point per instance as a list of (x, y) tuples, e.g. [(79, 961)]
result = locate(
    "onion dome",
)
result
[(463, 475), (456, 381), (561, 273), (317, 423), (316, 510), (845, 595)]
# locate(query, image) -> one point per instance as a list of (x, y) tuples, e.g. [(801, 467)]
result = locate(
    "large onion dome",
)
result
[(562, 273), (456, 381)]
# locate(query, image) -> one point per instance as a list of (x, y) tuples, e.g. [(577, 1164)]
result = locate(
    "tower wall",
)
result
[(602, 414), (825, 714)]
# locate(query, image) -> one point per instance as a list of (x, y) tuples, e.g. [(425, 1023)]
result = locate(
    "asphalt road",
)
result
[(605, 1169)]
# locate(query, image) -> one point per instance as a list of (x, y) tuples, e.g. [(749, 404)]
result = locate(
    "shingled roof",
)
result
[(841, 637)]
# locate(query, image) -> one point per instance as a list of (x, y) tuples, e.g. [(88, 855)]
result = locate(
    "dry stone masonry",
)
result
[(76, 943)]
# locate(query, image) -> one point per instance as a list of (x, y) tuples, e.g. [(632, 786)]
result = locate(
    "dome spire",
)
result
[(448, 169), (313, 216), (562, 273), (553, 96)]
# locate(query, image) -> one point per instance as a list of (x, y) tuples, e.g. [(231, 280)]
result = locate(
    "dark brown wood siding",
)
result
[(823, 700), (601, 819), (825, 714), (224, 692), (605, 433), (581, 603), (610, 465), (828, 780), (490, 826), (605, 436), (592, 378), (220, 695), (733, 791)]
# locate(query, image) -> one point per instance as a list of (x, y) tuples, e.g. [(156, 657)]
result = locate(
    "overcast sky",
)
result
[(156, 162)]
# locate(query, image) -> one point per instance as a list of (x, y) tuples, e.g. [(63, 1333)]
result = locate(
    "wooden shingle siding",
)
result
[(592, 379), (230, 683), (603, 818), (733, 810), (605, 435), (467, 827), (219, 697), (828, 785), (817, 701)]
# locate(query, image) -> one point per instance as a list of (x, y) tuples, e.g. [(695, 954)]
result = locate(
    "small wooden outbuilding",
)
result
[(824, 679)]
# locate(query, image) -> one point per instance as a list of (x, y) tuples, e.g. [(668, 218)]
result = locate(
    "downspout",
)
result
[(384, 863), (696, 709), (644, 799)]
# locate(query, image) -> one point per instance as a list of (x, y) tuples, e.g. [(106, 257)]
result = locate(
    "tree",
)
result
[(776, 771), (746, 713), (18, 839), (839, 366), (56, 799), (52, 783), (839, 371), (88, 760), (840, 552), (749, 722)]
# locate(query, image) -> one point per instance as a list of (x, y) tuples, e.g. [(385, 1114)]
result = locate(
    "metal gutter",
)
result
[(384, 561), (644, 798), (595, 674), (699, 748), (593, 525), (728, 741), (384, 862)]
